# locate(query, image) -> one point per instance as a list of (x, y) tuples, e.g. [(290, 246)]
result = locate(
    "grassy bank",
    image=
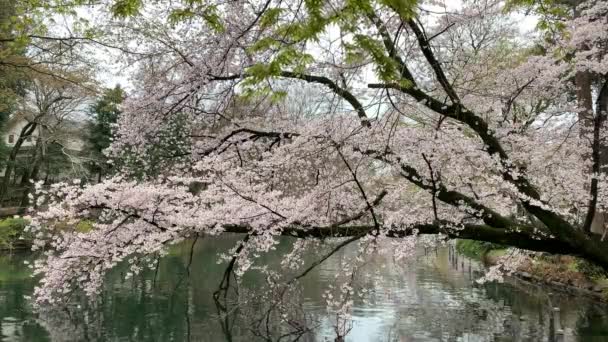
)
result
[(557, 270), (13, 235), (480, 250)]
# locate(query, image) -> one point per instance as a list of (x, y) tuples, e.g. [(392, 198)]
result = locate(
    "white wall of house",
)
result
[(13, 130)]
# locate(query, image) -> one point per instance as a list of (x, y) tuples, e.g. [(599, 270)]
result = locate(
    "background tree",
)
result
[(49, 106), (105, 114), (564, 24), (11, 79)]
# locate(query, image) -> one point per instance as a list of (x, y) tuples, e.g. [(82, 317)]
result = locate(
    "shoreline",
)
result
[(564, 278)]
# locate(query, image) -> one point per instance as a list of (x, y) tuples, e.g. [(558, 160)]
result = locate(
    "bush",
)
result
[(589, 269), (475, 249), (12, 231), (84, 226)]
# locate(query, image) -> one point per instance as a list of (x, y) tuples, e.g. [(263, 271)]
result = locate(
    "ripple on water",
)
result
[(432, 299)]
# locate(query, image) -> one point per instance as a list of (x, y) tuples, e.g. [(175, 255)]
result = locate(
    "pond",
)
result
[(434, 298)]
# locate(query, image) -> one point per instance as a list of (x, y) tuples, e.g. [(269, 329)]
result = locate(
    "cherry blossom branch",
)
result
[(480, 126), (595, 171), (360, 187), (518, 236), (344, 93), (457, 111), (521, 236), (452, 197)]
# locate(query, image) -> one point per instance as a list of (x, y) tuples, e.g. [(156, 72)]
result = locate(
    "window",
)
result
[(11, 139)]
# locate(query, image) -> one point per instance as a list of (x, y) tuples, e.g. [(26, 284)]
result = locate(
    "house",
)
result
[(13, 129), (62, 143)]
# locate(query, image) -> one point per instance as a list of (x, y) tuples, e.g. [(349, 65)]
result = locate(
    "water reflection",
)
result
[(431, 299)]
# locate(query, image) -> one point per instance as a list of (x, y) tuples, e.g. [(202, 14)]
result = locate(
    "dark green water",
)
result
[(432, 299)]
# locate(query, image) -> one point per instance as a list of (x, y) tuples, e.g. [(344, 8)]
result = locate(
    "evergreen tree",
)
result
[(11, 84), (105, 113)]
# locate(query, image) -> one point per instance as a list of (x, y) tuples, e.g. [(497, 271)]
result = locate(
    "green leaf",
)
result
[(213, 19), (126, 8), (386, 68), (405, 8), (270, 17), (179, 15)]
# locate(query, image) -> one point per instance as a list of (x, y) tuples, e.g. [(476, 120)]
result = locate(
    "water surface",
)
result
[(434, 298)]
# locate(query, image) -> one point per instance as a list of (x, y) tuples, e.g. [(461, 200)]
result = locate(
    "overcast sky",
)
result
[(112, 73)]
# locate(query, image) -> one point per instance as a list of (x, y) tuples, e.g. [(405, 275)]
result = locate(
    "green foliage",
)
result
[(287, 59), (213, 19), (405, 8), (180, 15), (270, 17), (475, 249), (386, 67), (105, 113), (589, 269), (552, 13), (126, 8), (12, 84), (209, 14), (11, 231), (84, 226)]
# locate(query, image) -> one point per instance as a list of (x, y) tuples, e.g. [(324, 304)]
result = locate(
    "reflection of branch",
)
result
[(156, 270), (221, 294), (181, 279), (327, 256)]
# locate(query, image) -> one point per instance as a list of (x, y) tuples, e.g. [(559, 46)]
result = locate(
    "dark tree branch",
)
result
[(369, 205), (433, 187), (345, 94), (520, 236), (598, 122), (430, 57), (389, 44)]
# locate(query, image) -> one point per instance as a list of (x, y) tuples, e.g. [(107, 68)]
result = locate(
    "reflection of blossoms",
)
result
[(505, 265)]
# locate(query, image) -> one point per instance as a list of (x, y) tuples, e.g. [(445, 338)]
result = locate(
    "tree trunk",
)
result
[(31, 174), (26, 131)]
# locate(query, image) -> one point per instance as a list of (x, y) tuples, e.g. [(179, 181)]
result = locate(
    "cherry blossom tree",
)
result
[(433, 121)]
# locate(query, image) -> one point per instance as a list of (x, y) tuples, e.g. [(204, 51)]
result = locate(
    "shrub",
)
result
[(475, 249), (11, 231), (84, 226), (592, 271)]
